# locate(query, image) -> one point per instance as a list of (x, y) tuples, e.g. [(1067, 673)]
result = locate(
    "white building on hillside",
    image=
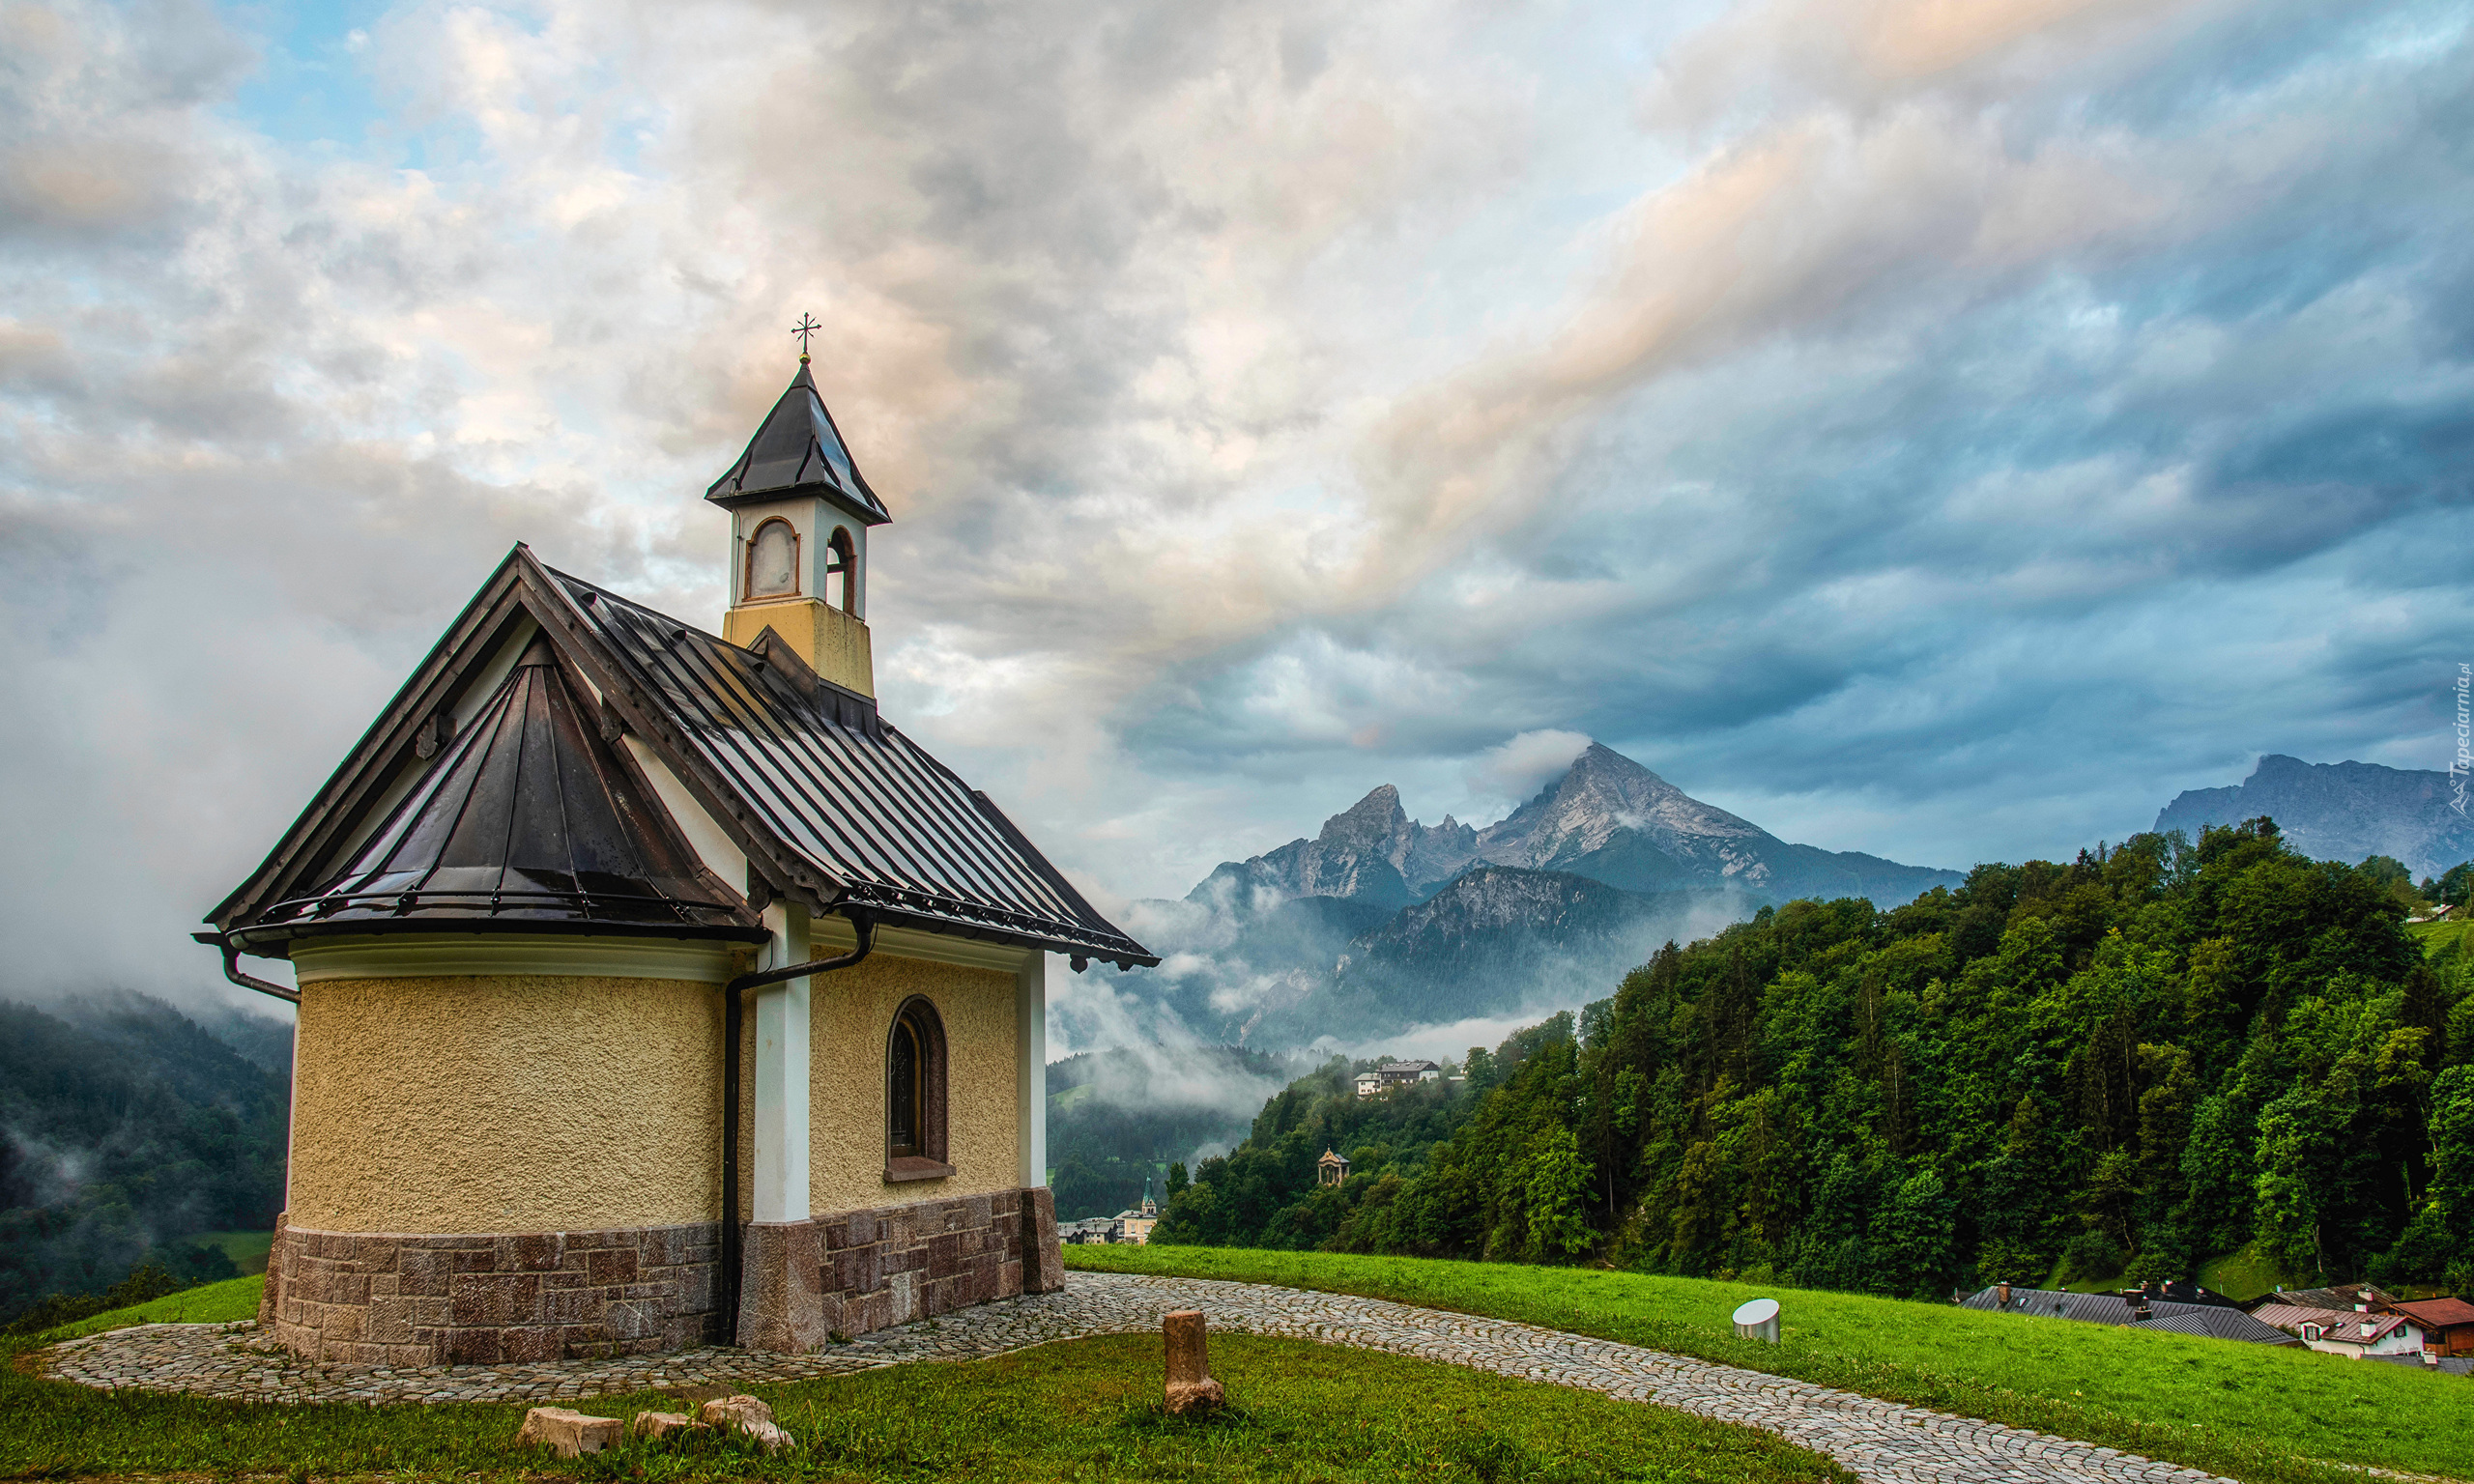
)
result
[(2358, 1333)]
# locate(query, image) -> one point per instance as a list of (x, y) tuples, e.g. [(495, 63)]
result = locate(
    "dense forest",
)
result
[(2128, 1064), (125, 1127)]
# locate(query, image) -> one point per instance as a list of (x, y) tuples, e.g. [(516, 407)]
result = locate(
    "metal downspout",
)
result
[(734, 1020), (232, 969)]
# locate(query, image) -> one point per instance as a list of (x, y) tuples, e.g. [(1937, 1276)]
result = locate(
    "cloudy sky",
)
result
[(1941, 428)]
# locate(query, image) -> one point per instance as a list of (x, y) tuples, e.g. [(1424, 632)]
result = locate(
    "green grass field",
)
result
[(1079, 1410), (2250, 1412), (211, 1303), (2437, 935), (247, 1250), (2246, 1274)]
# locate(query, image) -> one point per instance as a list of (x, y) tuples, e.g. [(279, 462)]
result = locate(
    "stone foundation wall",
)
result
[(890, 1265), (386, 1300), (852, 1272)]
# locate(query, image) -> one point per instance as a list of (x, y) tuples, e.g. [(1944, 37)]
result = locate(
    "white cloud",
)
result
[(1517, 769), (1834, 407)]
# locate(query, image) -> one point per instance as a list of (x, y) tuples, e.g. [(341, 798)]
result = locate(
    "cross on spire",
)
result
[(806, 327)]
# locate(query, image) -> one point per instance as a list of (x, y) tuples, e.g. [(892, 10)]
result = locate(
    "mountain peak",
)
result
[(1605, 817), (1371, 821), (2339, 810)]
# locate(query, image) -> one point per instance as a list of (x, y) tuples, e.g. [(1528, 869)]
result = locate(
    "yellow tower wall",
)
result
[(834, 643)]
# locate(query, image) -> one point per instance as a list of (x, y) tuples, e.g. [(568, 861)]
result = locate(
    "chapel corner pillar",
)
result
[(781, 1304), (1042, 1259), (782, 1077), (1030, 1070)]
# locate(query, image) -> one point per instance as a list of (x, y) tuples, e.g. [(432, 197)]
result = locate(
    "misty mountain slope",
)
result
[(1267, 951), (1496, 942), (1498, 939), (2340, 811), (1614, 820), (1117, 1117), (124, 1125)]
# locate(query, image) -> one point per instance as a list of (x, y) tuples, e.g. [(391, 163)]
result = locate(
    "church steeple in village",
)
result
[(800, 512)]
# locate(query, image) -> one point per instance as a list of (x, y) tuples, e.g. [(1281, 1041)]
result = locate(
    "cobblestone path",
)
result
[(1878, 1439)]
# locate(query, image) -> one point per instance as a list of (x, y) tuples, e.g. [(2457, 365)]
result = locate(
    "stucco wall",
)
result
[(835, 645), (852, 1015), (510, 1103)]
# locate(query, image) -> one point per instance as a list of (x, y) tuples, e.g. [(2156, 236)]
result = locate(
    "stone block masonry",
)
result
[(367, 1299), (891, 1265)]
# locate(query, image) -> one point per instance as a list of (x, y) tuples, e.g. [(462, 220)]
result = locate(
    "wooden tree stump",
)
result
[(1192, 1392)]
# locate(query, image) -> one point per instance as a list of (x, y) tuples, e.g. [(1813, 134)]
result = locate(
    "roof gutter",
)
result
[(863, 924), (232, 968)]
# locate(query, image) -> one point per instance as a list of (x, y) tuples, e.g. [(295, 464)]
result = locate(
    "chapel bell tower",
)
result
[(799, 517)]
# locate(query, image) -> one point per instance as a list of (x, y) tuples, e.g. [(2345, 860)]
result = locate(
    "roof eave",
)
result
[(825, 490), (1070, 948)]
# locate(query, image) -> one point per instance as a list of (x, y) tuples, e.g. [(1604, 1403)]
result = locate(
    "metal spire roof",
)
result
[(832, 806), (862, 805), (798, 450), (526, 821)]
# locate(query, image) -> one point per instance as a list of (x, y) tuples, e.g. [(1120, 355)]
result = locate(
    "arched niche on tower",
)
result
[(772, 561)]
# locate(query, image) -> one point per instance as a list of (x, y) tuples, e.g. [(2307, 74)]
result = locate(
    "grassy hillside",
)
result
[(2249, 1412), (247, 1250), (214, 1303), (2438, 935), (124, 1124), (1081, 1410), (2246, 1273)]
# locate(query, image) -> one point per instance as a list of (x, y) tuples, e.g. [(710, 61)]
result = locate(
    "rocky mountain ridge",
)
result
[(1606, 817), (2341, 812), (1380, 922)]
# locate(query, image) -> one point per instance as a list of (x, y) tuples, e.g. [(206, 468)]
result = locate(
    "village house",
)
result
[(1134, 1224), (2447, 1324), (1089, 1231), (1387, 1076), (1403, 1073), (2347, 1297), (2358, 1333), (654, 988)]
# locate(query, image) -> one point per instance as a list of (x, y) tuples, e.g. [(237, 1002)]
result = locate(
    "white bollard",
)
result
[(1758, 1320)]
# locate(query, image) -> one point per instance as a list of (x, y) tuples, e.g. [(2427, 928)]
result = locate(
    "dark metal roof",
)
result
[(797, 450), (2098, 1308), (2209, 1318), (2454, 1366), (859, 803), (2341, 1297), (2217, 1323), (525, 821)]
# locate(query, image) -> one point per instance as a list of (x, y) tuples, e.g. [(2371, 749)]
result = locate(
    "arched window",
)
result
[(915, 1095), (840, 573), (772, 561)]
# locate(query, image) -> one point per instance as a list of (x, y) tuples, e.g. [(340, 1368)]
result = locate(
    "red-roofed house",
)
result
[(2448, 1324), (2358, 1333)]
